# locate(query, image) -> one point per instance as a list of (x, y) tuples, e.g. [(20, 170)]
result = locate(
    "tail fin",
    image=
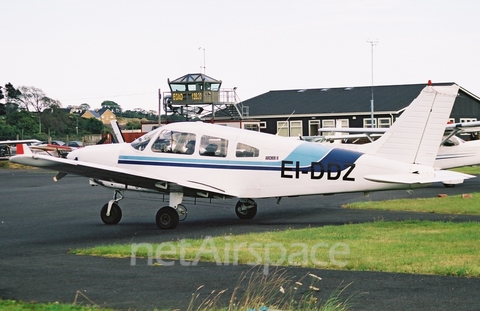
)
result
[(416, 135), (23, 149)]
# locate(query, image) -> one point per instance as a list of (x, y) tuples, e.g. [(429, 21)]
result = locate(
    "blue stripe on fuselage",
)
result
[(333, 159), (305, 154)]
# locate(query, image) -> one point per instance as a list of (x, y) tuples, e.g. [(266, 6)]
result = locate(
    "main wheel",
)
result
[(115, 214), (246, 209), (167, 218)]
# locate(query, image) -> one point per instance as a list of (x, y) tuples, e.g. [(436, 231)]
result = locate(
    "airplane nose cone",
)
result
[(73, 155), (97, 154)]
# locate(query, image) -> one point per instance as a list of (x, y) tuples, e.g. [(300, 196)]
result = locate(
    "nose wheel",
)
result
[(111, 212), (112, 216)]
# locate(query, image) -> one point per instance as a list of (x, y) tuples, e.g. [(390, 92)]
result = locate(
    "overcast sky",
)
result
[(88, 51)]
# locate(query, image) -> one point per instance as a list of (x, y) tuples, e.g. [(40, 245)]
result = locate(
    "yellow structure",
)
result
[(104, 115)]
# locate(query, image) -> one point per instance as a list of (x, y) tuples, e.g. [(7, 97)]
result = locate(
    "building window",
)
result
[(367, 122), (251, 126), (335, 123), (282, 128), (328, 123), (384, 122), (295, 128), (263, 125)]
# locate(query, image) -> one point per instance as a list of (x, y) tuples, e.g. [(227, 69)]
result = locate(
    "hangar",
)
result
[(306, 111)]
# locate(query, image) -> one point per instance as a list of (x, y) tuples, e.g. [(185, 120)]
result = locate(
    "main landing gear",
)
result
[(168, 217), (246, 209)]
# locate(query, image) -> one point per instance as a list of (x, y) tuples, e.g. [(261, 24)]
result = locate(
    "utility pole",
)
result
[(372, 43)]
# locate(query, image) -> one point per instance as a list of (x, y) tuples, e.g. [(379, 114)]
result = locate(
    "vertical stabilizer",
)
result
[(416, 135), (23, 149)]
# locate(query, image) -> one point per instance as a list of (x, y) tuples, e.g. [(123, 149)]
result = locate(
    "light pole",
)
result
[(203, 60), (372, 43)]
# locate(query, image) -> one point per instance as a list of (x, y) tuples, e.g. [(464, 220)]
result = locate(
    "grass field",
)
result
[(422, 247), (440, 205)]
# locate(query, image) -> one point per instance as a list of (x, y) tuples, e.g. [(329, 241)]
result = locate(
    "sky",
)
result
[(88, 51)]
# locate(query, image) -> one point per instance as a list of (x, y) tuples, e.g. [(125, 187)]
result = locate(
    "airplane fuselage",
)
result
[(272, 167)]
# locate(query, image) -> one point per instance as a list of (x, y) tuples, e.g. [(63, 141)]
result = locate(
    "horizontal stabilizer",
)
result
[(439, 176)]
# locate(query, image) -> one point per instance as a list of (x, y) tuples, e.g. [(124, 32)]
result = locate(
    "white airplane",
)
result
[(11, 146), (203, 160), (453, 151)]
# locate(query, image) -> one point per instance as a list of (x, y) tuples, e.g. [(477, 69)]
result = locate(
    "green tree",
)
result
[(56, 122), (112, 106), (134, 124), (10, 94), (7, 131), (23, 122), (93, 126), (85, 107)]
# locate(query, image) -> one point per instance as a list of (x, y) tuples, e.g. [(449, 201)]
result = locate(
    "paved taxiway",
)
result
[(40, 221)]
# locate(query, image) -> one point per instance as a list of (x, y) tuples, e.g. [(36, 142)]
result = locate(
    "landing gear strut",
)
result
[(246, 209)]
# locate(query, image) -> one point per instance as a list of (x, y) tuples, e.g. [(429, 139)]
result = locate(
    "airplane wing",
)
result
[(465, 126), (114, 174), (21, 141), (353, 132), (362, 130)]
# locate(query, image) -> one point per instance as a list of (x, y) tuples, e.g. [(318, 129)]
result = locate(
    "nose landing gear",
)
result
[(111, 214)]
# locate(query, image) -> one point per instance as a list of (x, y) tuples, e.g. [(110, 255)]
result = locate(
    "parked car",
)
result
[(74, 144), (58, 143)]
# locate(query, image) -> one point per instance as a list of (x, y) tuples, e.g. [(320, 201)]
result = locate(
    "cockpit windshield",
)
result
[(141, 142)]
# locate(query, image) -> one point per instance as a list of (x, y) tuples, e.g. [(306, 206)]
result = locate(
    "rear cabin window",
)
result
[(246, 151), (211, 146)]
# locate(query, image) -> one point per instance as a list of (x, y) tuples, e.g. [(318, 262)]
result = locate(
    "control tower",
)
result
[(194, 89), (198, 96)]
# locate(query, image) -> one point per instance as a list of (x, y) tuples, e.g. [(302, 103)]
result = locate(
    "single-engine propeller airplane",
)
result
[(197, 159)]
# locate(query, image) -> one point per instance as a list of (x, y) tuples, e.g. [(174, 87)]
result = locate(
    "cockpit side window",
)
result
[(175, 142), (244, 150), (213, 146)]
